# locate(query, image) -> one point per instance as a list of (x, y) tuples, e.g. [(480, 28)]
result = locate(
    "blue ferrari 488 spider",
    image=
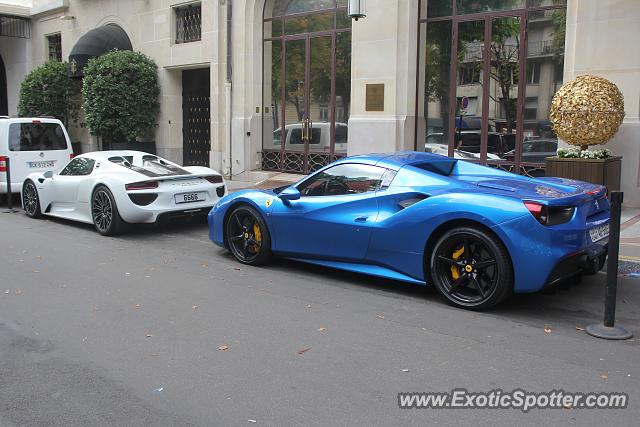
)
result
[(477, 233)]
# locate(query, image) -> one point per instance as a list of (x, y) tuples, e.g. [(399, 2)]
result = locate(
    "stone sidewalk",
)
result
[(630, 241)]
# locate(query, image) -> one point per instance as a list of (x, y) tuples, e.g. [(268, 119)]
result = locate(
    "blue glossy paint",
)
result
[(372, 233)]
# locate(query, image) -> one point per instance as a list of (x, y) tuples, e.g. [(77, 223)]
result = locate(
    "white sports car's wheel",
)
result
[(30, 200), (104, 212)]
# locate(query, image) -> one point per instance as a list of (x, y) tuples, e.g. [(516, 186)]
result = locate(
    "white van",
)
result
[(32, 145), (319, 141)]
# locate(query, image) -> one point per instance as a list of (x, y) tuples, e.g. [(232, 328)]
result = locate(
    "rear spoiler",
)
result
[(152, 183)]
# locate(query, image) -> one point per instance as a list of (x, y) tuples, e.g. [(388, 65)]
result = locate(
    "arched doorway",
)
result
[(4, 104), (306, 84)]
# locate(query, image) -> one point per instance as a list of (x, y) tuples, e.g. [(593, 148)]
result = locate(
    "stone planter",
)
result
[(597, 171)]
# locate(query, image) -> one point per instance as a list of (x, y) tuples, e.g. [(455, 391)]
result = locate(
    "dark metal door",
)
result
[(196, 116)]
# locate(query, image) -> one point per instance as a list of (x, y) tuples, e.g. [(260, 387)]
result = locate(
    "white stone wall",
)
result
[(384, 50), (602, 39), (150, 27), (16, 55)]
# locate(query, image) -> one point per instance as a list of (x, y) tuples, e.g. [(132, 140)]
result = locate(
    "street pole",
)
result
[(608, 330), (6, 166)]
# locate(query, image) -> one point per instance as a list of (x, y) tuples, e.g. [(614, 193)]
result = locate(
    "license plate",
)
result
[(41, 164), (190, 197), (599, 233)]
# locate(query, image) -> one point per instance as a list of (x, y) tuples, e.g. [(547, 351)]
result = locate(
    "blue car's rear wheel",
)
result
[(247, 236), (471, 268)]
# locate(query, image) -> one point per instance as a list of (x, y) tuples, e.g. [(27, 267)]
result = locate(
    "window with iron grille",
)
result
[(188, 23), (55, 47)]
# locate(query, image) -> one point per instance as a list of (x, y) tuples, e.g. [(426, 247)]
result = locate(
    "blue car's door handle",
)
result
[(361, 219)]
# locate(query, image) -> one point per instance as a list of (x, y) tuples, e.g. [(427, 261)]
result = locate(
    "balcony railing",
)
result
[(540, 48), (14, 26)]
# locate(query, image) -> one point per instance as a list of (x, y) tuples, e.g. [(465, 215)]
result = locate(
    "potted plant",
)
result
[(48, 91), (587, 111), (120, 98)]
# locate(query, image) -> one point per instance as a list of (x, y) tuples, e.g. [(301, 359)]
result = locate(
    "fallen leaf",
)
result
[(223, 348), (547, 329), (18, 291), (304, 350), (579, 328), (604, 376), (380, 316), (194, 307), (137, 306), (322, 329), (205, 265)]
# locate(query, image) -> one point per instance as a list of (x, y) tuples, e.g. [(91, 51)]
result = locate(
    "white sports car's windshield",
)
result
[(151, 166)]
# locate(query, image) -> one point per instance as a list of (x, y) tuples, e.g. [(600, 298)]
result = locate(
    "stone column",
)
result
[(384, 51)]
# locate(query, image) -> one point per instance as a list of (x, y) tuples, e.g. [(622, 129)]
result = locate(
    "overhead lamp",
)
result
[(356, 9)]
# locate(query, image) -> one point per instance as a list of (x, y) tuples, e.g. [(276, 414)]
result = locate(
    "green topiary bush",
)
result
[(120, 95), (48, 91)]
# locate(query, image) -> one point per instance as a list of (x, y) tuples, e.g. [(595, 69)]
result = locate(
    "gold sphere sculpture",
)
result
[(587, 111)]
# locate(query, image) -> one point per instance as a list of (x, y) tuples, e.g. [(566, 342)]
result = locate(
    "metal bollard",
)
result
[(6, 167), (7, 161), (608, 330)]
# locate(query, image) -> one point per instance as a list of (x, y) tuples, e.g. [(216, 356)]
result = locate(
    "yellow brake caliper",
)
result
[(455, 273), (257, 235)]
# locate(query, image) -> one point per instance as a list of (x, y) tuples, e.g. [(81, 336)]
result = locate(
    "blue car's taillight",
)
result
[(547, 215)]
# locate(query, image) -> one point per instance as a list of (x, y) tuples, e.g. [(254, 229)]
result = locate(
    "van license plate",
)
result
[(42, 164), (599, 233), (190, 197)]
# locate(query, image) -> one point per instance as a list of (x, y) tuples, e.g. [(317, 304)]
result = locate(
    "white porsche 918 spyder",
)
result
[(111, 189)]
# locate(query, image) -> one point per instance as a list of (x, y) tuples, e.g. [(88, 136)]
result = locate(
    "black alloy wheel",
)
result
[(247, 236), (104, 212), (471, 268), (30, 200)]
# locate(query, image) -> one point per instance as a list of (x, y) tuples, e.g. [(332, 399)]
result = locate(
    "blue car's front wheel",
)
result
[(471, 268), (247, 236)]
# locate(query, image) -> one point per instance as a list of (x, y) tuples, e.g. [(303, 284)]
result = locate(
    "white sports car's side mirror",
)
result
[(48, 174)]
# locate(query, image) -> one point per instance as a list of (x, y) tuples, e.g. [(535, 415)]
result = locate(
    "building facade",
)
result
[(290, 85)]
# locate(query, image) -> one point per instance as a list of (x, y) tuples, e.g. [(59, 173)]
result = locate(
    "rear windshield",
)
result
[(36, 137), (151, 166)]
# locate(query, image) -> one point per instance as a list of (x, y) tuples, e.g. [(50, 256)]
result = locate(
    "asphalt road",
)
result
[(127, 331)]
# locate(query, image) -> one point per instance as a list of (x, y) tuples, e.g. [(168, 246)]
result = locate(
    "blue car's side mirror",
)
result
[(290, 193)]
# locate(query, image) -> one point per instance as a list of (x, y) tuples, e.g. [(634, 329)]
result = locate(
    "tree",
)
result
[(48, 91), (505, 49), (120, 94)]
